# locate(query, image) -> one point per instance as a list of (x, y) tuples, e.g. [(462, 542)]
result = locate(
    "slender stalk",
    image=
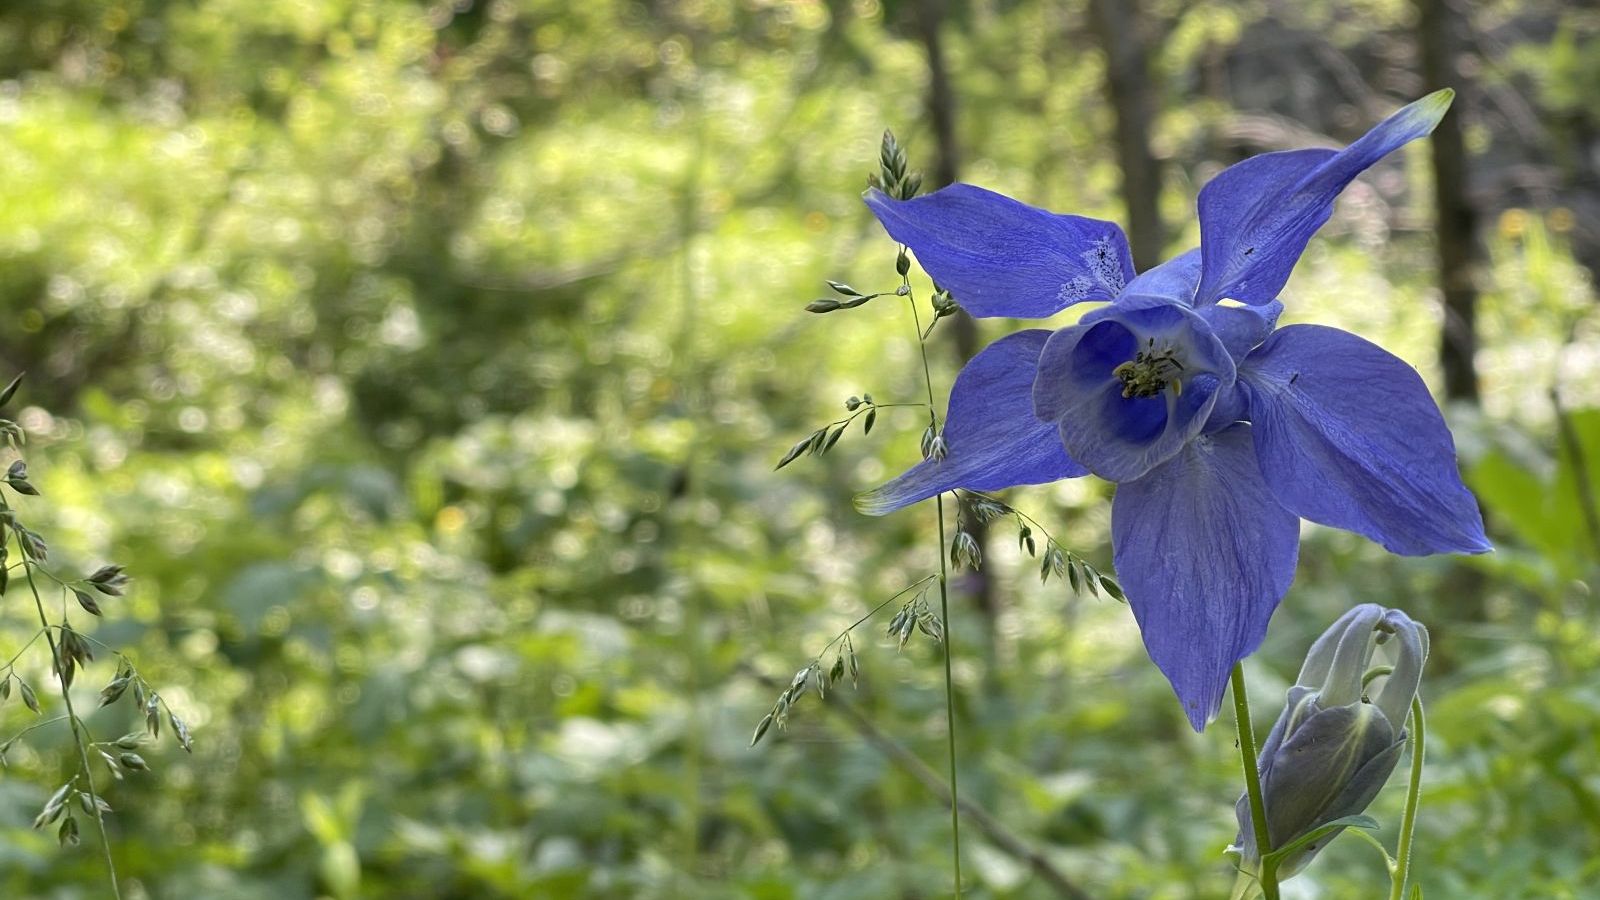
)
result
[(1252, 782), (1408, 820), (870, 613), (11, 663), (34, 727), (1376, 844), (77, 726), (944, 615), (949, 703), (691, 396), (985, 821)]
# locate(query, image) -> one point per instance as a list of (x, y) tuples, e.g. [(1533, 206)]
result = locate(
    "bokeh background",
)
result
[(427, 363)]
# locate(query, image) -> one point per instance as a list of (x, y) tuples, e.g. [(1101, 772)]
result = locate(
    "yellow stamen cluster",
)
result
[(1150, 371)]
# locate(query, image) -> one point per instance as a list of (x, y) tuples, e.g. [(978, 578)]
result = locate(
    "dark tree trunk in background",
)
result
[(946, 167), (941, 99), (1116, 22), (1439, 43)]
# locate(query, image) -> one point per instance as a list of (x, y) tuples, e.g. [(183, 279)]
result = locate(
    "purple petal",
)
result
[(1173, 280), (1004, 258), (1256, 217), (1204, 554), (1241, 328), (1349, 437), (993, 438)]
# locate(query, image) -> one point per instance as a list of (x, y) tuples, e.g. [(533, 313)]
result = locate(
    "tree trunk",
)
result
[(1438, 42), (1116, 22), (1456, 226), (942, 115)]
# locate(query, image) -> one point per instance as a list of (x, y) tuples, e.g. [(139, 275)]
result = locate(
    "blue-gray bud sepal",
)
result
[(1334, 746)]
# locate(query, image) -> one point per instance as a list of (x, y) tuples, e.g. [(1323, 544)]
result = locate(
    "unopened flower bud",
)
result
[(1333, 748)]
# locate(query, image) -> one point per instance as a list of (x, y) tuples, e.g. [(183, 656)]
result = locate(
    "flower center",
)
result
[(1150, 371)]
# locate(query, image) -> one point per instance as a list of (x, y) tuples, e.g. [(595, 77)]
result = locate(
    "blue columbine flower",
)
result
[(1220, 432)]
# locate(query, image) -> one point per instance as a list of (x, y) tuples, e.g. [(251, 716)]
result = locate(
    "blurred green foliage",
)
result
[(426, 364)]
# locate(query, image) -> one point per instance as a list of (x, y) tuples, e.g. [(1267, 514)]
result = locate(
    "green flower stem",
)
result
[(949, 702), (1252, 782), (944, 614), (1408, 820)]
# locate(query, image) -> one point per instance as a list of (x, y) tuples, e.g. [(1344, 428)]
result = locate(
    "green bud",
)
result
[(1333, 748)]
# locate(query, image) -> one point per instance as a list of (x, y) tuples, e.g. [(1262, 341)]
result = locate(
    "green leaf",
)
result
[(794, 453), (1112, 588), (761, 730), (86, 601), (833, 439), (111, 692), (10, 389), (1319, 832)]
